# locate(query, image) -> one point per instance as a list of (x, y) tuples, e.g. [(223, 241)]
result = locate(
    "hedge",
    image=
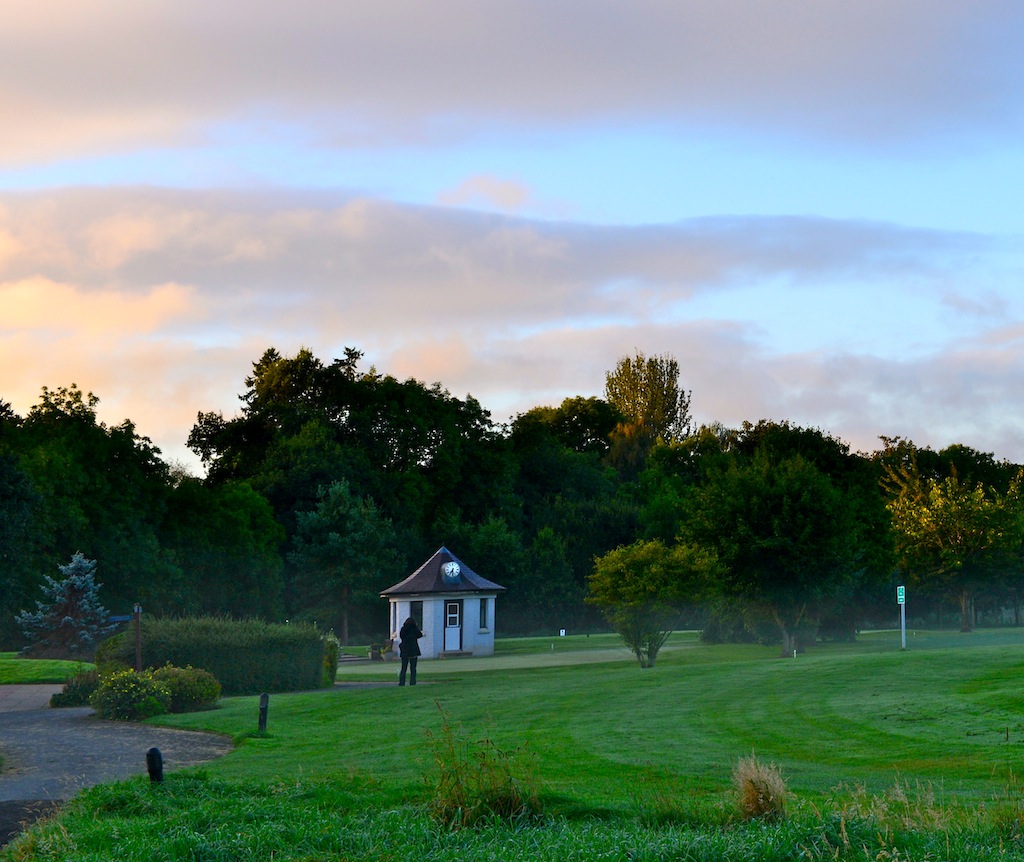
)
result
[(246, 656)]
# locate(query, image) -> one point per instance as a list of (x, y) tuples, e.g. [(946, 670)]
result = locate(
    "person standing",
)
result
[(409, 649)]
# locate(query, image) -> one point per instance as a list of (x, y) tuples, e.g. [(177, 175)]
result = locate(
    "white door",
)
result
[(452, 626)]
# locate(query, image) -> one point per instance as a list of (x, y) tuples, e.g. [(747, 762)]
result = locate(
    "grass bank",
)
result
[(906, 753), (23, 671)]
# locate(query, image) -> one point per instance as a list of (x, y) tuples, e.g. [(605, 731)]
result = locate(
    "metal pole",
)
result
[(903, 625), (138, 638)]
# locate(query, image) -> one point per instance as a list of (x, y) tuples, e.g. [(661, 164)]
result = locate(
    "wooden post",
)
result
[(155, 765), (138, 638), (264, 707)]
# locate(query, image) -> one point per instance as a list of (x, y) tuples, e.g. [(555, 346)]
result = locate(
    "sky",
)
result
[(815, 206)]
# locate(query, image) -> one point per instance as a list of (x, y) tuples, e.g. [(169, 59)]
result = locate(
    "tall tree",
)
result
[(18, 503), (342, 548), (646, 391), (785, 536), (953, 537)]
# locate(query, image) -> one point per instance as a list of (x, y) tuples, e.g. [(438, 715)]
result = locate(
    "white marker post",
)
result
[(901, 600)]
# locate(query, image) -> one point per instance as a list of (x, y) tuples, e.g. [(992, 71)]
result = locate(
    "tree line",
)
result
[(333, 482)]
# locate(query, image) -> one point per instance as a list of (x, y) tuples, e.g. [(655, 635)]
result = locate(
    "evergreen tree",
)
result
[(73, 620)]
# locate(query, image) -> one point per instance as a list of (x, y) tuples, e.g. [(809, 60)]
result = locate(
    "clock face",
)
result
[(451, 571)]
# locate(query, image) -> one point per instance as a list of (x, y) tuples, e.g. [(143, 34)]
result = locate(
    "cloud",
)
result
[(42, 306), (494, 193), (111, 76), (160, 300)]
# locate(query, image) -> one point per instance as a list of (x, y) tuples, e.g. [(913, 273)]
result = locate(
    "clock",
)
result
[(451, 572)]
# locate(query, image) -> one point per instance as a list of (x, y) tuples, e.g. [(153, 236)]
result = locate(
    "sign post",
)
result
[(901, 600), (137, 614)]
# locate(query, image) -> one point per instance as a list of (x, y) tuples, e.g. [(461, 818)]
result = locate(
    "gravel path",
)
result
[(51, 754)]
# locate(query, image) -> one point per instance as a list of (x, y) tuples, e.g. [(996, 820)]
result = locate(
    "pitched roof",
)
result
[(430, 578)]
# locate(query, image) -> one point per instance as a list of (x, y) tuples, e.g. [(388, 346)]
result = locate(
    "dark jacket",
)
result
[(410, 640)]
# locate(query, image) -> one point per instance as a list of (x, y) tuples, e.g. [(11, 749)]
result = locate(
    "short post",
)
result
[(155, 765), (264, 707), (138, 637)]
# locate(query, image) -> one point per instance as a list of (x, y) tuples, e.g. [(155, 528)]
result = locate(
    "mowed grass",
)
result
[(910, 754), (22, 671), (949, 712)]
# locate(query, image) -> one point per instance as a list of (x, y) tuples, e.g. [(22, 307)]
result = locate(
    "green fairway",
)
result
[(947, 712), (911, 754)]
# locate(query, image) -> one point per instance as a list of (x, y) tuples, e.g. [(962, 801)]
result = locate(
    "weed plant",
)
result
[(476, 781)]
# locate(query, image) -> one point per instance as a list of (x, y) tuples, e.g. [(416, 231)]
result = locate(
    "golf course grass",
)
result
[(912, 753), (19, 671)]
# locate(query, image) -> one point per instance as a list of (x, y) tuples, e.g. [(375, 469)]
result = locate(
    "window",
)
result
[(451, 613), (485, 623), (416, 612)]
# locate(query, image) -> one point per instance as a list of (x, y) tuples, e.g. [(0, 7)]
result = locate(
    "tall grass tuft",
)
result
[(476, 781), (760, 790)]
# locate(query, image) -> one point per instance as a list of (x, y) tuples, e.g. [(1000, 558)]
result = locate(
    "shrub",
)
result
[(477, 781), (191, 689), (246, 656), (760, 789), (77, 689), (130, 696)]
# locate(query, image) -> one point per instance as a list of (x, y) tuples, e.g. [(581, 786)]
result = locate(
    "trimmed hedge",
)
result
[(245, 656)]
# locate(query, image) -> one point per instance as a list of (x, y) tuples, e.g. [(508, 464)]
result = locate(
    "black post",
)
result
[(264, 706), (155, 765), (138, 638)]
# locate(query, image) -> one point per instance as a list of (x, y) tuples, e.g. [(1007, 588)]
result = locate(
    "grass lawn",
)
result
[(916, 749), (23, 671)]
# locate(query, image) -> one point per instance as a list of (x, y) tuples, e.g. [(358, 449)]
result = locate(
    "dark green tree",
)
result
[(225, 540), (342, 548), (785, 536), (72, 620), (18, 503)]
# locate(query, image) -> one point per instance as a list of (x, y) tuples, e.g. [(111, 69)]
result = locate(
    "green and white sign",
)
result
[(901, 595)]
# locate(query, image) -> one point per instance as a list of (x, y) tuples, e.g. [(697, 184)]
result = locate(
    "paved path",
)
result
[(51, 754)]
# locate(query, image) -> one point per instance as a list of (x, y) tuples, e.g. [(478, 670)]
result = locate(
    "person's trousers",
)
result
[(408, 662)]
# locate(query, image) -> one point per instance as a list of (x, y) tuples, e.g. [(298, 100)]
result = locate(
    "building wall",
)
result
[(477, 634)]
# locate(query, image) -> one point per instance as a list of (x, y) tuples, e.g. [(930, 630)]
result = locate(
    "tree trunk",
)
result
[(965, 611), (789, 642), (344, 615)]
